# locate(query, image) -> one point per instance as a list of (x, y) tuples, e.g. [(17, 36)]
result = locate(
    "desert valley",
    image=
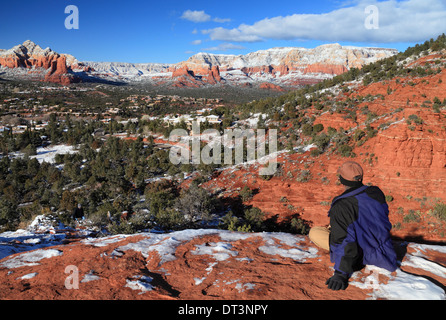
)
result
[(95, 135)]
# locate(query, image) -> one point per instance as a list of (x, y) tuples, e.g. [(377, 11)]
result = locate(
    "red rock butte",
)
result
[(52, 66), (272, 69)]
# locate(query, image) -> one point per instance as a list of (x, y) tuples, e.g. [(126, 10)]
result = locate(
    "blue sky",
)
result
[(170, 31)]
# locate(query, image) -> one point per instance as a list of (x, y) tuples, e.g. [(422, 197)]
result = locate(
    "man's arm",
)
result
[(344, 251)]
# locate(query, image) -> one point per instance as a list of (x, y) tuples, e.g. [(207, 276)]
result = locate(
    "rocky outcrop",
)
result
[(187, 75), (182, 72), (281, 70), (202, 265), (402, 149), (276, 68), (215, 75), (52, 66), (270, 86), (58, 72), (327, 69), (284, 67), (289, 67)]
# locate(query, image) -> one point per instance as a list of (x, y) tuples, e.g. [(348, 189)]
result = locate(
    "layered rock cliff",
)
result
[(42, 64), (286, 66), (273, 68)]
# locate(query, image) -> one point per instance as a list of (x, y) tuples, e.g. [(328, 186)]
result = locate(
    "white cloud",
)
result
[(201, 16), (221, 20), (195, 16), (225, 47), (235, 34), (196, 42), (399, 21)]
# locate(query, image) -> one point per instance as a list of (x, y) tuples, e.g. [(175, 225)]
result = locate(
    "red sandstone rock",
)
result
[(182, 71), (29, 55), (306, 66), (199, 265), (215, 73), (270, 86), (283, 69), (325, 69), (261, 69), (195, 75), (407, 161)]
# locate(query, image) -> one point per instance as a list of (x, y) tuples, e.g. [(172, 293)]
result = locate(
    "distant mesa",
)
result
[(271, 69)]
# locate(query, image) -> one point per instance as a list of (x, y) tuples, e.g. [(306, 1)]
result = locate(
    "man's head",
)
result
[(350, 174)]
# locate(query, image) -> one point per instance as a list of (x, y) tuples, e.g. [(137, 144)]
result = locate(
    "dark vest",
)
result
[(370, 230)]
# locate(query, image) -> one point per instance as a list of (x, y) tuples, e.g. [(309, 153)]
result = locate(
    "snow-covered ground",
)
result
[(48, 153), (42, 234), (403, 285)]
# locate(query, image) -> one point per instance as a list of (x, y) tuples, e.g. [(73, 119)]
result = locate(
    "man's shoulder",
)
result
[(344, 201), (344, 204), (376, 193), (373, 192)]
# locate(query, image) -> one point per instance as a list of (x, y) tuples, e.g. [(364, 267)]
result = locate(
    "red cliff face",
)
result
[(258, 69), (285, 67), (11, 62), (31, 56), (189, 75), (215, 74), (58, 72), (182, 71), (329, 69), (406, 158), (281, 69), (183, 77)]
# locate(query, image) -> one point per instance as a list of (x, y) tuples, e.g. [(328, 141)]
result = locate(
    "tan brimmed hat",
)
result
[(351, 171)]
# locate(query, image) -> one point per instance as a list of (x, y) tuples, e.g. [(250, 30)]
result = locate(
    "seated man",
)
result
[(359, 231)]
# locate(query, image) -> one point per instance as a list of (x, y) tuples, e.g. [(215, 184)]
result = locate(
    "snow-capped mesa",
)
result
[(271, 68), (126, 69)]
